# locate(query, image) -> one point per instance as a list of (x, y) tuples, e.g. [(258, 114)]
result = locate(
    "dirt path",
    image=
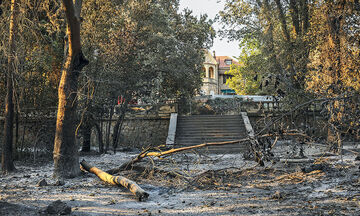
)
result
[(215, 185)]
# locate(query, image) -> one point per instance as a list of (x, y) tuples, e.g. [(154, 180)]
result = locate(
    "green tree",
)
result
[(245, 79), (280, 27), (334, 64), (311, 47), (146, 50)]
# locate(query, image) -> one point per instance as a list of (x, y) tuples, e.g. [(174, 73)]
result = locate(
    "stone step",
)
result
[(194, 130), (209, 137), (209, 140), (210, 129), (209, 116), (210, 133), (210, 121), (224, 149), (213, 126)]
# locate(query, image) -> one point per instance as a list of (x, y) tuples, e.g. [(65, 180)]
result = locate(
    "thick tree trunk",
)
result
[(294, 12), (7, 164), (304, 14), (290, 47), (269, 35), (335, 24), (0, 8), (66, 159), (282, 20)]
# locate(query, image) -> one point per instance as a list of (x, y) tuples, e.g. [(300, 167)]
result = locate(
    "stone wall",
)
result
[(35, 136), (144, 132), (136, 132)]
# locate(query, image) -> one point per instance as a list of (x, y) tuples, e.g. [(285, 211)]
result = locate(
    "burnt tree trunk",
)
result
[(117, 180), (66, 159), (118, 125), (100, 139), (86, 131), (7, 164), (108, 129)]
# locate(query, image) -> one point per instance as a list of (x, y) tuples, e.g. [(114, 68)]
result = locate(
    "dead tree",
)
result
[(155, 152), (149, 153), (7, 164), (66, 159), (117, 180)]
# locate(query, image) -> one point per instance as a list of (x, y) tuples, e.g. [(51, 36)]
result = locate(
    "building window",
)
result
[(226, 77), (228, 61), (211, 73), (204, 71)]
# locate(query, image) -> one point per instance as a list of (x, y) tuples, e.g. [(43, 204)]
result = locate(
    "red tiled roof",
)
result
[(221, 61)]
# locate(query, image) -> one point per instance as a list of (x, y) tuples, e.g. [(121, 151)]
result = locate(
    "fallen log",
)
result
[(146, 153), (117, 180)]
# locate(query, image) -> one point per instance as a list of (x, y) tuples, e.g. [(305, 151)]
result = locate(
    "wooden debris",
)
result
[(296, 160), (148, 153), (117, 180), (159, 154)]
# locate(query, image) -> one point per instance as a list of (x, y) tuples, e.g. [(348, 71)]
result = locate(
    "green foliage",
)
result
[(308, 48), (245, 79), (39, 52), (281, 55), (145, 49)]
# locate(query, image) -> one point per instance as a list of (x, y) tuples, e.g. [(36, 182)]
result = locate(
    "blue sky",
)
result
[(212, 7)]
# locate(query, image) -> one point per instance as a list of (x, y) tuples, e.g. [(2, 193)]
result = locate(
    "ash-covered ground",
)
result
[(192, 183)]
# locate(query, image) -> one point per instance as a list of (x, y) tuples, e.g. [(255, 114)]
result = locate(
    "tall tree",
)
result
[(149, 51), (334, 66), (284, 52), (314, 46), (66, 161), (7, 150)]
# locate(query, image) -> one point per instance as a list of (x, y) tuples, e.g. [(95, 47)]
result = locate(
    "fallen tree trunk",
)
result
[(146, 153), (117, 180)]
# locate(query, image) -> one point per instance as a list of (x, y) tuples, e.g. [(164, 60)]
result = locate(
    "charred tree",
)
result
[(108, 129), (66, 159), (100, 138), (118, 125), (7, 164), (117, 180), (86, 132)]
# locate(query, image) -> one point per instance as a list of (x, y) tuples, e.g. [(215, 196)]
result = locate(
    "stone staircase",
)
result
[(197, 129)]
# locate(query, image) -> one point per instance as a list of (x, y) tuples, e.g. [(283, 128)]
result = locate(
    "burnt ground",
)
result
[(196, 184)]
